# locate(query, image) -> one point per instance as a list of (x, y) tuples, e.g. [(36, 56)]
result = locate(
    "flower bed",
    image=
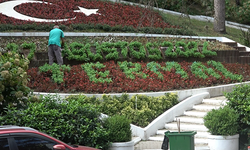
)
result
[(111, 77), (112, 14)]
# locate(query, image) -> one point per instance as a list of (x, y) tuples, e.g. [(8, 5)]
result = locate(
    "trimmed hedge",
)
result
[(71, 122)]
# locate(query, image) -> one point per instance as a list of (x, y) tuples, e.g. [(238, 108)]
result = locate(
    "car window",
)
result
[(33, 143), (4, 145)]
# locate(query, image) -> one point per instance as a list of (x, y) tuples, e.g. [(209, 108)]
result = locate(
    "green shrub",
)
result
[(223, 121), (140, 109), (106, 27), (56, 70), (71, 122), (13, 47), (137, 50), (244, 12), (239, 100), (32, 47), (118, 128), (13, 80)]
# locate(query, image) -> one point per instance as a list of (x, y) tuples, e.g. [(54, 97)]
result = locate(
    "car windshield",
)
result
[(60, 140)]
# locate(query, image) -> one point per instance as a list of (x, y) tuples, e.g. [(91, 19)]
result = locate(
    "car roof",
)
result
[(6, 128)]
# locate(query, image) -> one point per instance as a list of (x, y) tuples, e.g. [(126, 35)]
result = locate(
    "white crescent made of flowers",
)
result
[(7, 8)]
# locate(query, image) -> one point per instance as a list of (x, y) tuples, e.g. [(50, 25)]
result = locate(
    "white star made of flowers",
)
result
[(87, 12)]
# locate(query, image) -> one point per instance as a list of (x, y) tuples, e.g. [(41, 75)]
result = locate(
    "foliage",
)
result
[(117, 77), (13, 47), (206, 52), (225, 72), (223, 121), (194, 50), (77, 51), (155, 67), (200, 71), (108, 19), (56, 70), (137, 50), (169, 51), (110, 51), (70, 122), (131, 69), (118, 128), (238, 100), (13, 80), (97, 51), (96, 75), (140, 109), (153, 51), (181, 49), (177, 67), (244, 13), (31, 47)]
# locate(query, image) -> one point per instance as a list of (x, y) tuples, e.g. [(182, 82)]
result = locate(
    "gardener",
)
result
[(56, 35)]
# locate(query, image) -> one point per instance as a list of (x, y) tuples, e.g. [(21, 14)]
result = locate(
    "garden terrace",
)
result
[(80, 49)]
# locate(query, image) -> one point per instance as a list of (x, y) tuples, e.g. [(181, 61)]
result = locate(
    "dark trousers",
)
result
[(55, 51)]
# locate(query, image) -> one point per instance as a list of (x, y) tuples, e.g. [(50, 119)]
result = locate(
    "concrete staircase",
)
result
[(191, 120)]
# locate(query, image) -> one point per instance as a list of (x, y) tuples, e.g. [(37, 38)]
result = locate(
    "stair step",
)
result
[(200, 134), (197, 141), (195, 113), (214, 102), (188, 119), (192, 120), (185, 127), (202, 148), (205, 107), (244, 53), (152, 145), (241, 48), (233, 44)]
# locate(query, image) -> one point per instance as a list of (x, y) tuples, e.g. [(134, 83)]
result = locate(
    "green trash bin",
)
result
[(181, 141)]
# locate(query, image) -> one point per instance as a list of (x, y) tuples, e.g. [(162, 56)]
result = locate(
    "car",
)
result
[(26, 138)]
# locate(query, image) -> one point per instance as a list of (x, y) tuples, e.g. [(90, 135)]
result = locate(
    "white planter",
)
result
[(122, 146), (217, 142)]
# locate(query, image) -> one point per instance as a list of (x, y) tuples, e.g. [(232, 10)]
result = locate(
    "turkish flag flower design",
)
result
[(105, 13)]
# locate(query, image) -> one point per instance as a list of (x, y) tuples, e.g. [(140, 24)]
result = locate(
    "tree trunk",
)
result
[(219, 16)]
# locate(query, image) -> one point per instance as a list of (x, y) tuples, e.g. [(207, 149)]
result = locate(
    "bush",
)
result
[(244, 12), (118, 128), (140, 109), (239, 100), (71, 122), (13, 80), (223, 121)]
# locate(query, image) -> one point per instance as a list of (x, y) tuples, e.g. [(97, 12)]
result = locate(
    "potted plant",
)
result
[(223, 125), (119, 132)]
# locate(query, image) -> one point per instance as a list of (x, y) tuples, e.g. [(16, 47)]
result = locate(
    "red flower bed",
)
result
[(77, 80), (110, 13)]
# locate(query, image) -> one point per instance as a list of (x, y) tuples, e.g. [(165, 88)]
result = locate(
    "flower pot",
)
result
[(122, 146), (217, 142)]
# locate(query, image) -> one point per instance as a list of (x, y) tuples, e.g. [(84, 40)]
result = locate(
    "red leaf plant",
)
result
[(109, 13), (77, 80)]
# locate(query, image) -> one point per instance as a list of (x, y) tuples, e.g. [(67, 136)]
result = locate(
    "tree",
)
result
[(219, 16)]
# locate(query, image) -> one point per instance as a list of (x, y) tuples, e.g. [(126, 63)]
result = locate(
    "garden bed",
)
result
[(112, 77)]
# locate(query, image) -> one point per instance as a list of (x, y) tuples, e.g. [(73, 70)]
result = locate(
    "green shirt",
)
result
[(55, 36)]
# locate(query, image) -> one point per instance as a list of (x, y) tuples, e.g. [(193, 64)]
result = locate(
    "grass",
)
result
[(202, 28)]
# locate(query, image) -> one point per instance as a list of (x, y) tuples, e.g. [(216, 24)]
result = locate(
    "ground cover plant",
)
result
[(112, 77), (15, 43), (109, 17)]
